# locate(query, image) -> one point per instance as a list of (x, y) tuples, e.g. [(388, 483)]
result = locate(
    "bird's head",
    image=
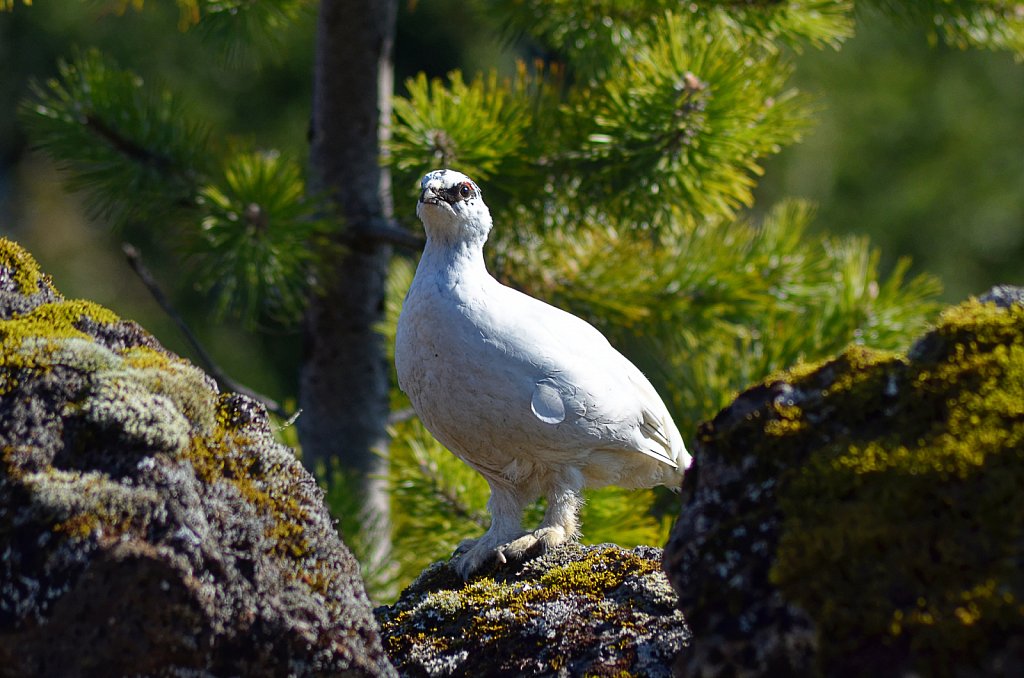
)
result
[(452, 208)]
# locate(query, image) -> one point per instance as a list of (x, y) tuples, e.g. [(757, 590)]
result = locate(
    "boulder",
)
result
[(150, 525), (864, 516), (578, 610)]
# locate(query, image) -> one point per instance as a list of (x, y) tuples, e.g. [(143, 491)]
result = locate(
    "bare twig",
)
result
[(222, 379), (392, 233)]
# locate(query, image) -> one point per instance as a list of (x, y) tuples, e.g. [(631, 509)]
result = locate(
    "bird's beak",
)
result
[(429, 196)]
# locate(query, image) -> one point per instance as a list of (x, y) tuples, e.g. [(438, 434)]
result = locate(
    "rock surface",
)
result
[(864, 516), (577, 610), (150, 525)]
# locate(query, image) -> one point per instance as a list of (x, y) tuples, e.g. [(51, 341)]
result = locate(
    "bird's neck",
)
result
[(455, 262)]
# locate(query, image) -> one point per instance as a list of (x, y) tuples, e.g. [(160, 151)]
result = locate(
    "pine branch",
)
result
[(449, 499), (705, 310), (684, 123), (596, 36), (126, 147), (483, 127), (249, 31), (133, 151), (988, 24), (141, 161), (261, 239)]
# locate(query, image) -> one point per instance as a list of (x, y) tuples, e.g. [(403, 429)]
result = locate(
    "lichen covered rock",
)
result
[(150, 525), (578, 610), (864, 516)]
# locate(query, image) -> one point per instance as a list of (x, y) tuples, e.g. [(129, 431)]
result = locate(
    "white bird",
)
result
[(532, 397)]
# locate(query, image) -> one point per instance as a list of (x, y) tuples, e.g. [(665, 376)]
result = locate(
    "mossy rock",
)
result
[(864, 516), (576, 611), (150, 525)]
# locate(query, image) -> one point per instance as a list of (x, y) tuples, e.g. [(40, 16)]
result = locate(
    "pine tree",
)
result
[(619, 170)]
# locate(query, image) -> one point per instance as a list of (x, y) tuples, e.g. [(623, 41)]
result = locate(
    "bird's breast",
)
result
[(469, 389)]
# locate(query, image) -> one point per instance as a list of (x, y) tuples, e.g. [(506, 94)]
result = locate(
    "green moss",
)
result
[(796, 372), (147, 399), (585, 610), (23, 267), (485, 609), (783, 432), (222, 456), (903, 515)]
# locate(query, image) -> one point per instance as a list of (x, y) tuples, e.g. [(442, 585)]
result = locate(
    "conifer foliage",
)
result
[(139, 157), (619, 169)]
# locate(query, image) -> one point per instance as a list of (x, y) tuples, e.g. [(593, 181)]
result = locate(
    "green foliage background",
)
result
[(621, 158), (918, 146)]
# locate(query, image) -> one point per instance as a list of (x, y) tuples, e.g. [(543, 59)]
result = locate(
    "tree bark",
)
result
[(344, 376)]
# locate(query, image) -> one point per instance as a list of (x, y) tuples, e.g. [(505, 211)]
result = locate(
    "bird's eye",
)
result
[(465, 191)]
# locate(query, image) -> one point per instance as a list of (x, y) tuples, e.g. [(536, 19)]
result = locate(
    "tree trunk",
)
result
[(344, 376)]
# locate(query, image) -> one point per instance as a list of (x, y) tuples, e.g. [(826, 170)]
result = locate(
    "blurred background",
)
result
[(918, 146)]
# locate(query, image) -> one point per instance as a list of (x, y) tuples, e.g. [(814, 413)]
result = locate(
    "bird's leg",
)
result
[(561, 520), (506, 507)]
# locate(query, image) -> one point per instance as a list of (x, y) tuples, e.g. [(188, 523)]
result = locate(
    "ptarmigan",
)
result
[(533, 398)]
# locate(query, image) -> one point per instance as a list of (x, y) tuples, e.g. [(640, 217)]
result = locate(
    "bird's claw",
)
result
[(472, 560), (464, 546), (473, 555), (533, 544)]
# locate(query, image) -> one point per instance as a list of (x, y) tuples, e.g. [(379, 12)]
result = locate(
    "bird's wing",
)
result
[(581, 381), (659, 437)]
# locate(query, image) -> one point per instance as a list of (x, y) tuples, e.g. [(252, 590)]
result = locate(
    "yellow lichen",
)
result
[(32, 341), (55, 320), (79, 526), (598, 573), (23, 267), (146, 358)]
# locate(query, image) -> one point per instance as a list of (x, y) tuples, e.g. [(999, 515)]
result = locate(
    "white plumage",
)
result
[(533, 398)]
